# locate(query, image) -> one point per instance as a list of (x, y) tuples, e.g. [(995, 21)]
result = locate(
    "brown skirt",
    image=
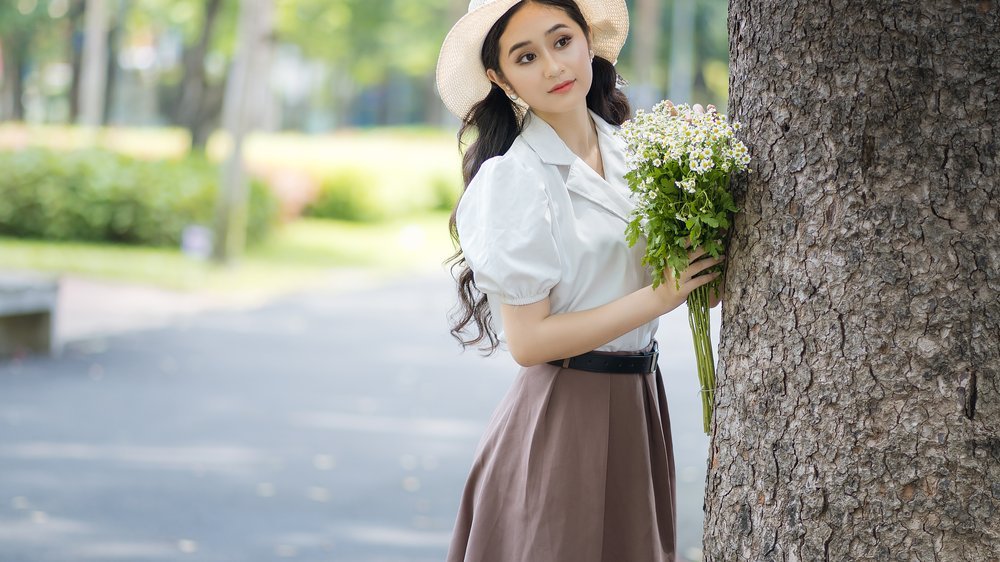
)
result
[(574, 466)]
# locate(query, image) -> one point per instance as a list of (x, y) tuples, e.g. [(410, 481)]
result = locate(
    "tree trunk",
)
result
[(114, 47), (645, 46), (191, 112), (433, 108), (681, 52), (857, 408), (15, 62), (94, 66), (245, 88), (75, 56)]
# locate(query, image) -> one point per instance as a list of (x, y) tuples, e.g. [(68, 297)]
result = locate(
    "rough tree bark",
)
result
[(858, 406)]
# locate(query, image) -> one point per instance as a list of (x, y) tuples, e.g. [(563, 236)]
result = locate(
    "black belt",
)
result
[(636, 363)]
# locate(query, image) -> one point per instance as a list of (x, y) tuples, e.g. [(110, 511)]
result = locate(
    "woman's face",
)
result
[(542, 48)]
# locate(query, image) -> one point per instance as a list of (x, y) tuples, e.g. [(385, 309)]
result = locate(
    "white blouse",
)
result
[(539, 221)]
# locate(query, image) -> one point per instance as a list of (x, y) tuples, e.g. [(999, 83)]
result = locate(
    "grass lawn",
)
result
[(296, 255)]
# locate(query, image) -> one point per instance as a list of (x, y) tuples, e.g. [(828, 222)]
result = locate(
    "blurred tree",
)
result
[(116, 29), (434, 111), (382, 46), (93, 80), (646, 38), (196, 105), (682, 52), (711, 77), (19, 23), (686, 44), (244, 92), (191, 95), (74, 50), (342, 62), (75, 35)]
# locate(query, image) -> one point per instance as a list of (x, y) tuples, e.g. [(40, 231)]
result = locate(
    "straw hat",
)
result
[(461, 78)]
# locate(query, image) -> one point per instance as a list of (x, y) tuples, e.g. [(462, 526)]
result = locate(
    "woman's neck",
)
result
[(576, 128)]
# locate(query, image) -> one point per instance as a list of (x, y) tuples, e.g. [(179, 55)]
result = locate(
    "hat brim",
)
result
[(460, 76)]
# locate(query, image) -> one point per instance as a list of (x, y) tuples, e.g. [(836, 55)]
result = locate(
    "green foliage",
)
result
[(361, 194), (348, 194), (678, 218), (187, 17), (446, 188), (97, 195), (680, 221), (21, 22), (367, 39)]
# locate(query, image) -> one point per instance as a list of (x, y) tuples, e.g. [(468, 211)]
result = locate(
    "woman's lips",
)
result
[(563, 88)]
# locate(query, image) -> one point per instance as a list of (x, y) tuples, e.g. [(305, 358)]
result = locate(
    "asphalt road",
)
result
[(333, 424)]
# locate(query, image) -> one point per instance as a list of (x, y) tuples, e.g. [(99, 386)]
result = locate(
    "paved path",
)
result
[(334, 424)]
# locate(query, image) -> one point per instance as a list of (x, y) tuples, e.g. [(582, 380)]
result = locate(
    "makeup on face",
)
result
[(548, 60), (563, 87)]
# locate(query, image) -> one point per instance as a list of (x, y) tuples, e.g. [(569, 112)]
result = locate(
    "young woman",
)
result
[(576, 464)]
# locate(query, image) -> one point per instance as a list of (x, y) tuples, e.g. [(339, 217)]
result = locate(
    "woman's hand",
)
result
[(713, 301), (670, 296), (699, 109), (696, 107)]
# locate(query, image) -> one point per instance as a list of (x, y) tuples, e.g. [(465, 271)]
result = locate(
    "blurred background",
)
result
[(223, 304)]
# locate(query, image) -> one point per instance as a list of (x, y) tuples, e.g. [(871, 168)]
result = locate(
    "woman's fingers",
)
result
[(702, 265), (714, 299), (696, 253), (699, 266), (696, 282)]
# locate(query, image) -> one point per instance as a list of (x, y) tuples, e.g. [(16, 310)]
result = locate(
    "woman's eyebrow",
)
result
[(552, 30)]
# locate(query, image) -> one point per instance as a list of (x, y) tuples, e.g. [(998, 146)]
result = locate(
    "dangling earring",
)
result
[(591, 56), (513, 97)]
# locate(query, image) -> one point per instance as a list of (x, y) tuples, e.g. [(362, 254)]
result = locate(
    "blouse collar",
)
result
[(544, 140), (610, 193)]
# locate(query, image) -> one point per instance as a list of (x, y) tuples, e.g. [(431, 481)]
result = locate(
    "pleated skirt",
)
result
[(574, 466)]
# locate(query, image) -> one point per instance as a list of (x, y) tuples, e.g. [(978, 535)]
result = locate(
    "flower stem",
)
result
[(699, 320)]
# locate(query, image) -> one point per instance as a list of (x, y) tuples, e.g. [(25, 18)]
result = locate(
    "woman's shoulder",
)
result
[(514, 175), (519, 160), (504, 185)]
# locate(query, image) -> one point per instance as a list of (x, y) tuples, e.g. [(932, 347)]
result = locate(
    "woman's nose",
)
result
[(554, 68)]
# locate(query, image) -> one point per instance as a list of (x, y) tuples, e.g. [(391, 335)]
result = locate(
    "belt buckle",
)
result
[(656, 356)]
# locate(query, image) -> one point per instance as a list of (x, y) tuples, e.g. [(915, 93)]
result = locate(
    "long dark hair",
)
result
[(496, 125)]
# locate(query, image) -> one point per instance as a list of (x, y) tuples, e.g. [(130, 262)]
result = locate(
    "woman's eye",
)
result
[(563, 41)]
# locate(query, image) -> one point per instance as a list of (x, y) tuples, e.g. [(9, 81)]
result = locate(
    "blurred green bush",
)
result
[(348, 194), (98, 195), (363, 195), (447, 188)]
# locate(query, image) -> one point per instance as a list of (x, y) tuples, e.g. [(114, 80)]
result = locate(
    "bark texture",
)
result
[(858, 408)]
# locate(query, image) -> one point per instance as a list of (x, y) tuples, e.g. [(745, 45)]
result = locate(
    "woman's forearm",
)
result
[(558, 336)]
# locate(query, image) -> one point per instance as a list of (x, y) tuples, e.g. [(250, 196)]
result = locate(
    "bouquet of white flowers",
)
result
[(679, 164)]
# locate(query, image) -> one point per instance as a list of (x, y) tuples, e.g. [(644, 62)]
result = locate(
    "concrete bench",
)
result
[(27, 309)]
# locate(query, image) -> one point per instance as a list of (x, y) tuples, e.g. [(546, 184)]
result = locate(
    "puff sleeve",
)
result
[(504, 224)]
